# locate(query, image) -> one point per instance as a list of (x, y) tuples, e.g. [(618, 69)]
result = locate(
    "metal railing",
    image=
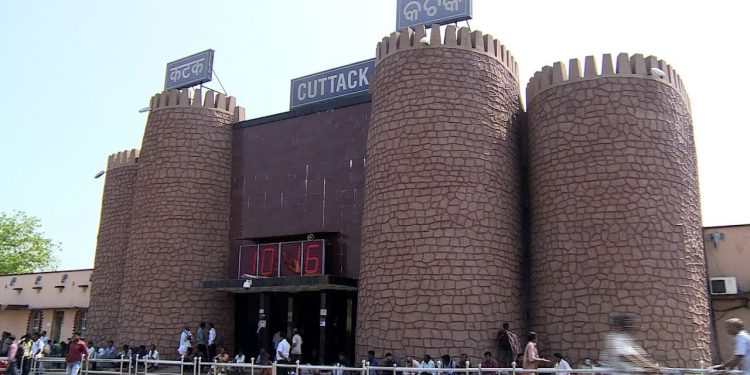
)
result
[(145, 366)]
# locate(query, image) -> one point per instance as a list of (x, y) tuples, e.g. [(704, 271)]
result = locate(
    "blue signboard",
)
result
[(412, 13), (190, 71), (334, 83)]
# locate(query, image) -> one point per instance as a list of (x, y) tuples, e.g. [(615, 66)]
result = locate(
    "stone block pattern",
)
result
[(615, 219), (111, 253), (180, 229), (441, 234)]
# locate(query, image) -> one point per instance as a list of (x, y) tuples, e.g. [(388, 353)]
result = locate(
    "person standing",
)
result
[(76, 354), (12, 351), (282, 350), (509, 346), (25, 347), (741, 357), (561, 364), (296, 351), (185, 341), (201, 341), (211, 341), (374, 362), (531, 358), (275, 341)]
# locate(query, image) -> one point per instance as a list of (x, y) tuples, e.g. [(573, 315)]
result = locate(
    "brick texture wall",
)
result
[(616, 225), (111, 253), (441, 233), (180, 229)]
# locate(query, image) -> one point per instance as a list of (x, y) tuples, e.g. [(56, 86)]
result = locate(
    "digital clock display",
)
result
[(283, 259)]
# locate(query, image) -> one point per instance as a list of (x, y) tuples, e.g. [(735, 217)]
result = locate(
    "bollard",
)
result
[(252, 363), (273, 368), (365, 367), (513, 364)]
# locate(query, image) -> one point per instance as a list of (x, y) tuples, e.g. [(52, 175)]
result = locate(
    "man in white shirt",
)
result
[(282, 351), (561, 364), (741, 357), (211, 341), (296, 351), (185, 338), (153, 357)]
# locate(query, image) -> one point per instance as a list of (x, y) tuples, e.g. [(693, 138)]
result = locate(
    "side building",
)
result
[(727, 257), (56, 302)]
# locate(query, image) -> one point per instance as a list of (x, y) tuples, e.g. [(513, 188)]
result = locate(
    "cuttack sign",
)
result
[(333, 83), (412, 13), (190, 71)]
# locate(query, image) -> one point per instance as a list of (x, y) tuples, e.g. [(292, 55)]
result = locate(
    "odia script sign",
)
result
[(412, 13), (190, 71), (333, 83)]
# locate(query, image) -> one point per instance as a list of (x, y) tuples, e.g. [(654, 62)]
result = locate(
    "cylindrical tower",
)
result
[(441, 232), (615, 219), (111, 246), (180, 227)]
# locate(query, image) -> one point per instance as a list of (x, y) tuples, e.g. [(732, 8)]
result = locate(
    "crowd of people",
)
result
[(22, 352), (620, 352)]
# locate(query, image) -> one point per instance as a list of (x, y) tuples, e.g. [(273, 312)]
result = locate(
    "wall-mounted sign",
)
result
[(284, 259), (334, 83), (190, 71), (412, 13)]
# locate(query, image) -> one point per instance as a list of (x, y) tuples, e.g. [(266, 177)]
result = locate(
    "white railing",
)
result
[(144, 366)]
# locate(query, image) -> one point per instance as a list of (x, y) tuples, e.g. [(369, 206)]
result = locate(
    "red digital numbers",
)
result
[(286, 259), (291, 257), (268, 260), (313, 258)]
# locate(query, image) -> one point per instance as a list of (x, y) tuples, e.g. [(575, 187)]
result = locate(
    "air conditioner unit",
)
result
[(723, 285)]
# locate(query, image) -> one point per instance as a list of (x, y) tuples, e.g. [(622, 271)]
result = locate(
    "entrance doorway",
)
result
[(325, 331)]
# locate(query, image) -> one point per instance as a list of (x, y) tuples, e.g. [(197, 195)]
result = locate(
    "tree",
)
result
[(22, 246)]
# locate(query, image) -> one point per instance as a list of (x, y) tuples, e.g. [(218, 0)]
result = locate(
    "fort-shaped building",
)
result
[(418, 217)]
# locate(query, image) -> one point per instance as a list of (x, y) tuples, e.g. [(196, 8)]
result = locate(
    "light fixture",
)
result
[(658, 72), (99, 174), (144, 110)]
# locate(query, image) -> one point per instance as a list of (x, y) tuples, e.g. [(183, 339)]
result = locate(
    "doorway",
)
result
[(57, 322)]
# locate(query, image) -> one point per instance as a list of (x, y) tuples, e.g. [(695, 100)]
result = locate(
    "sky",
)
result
[(76, 73)]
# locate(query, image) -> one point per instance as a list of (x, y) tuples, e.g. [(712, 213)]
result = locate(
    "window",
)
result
[(35, 321), (81, 321)]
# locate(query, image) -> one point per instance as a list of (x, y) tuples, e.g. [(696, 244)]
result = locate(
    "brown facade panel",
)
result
[(302, 175), (616, 225), (441, 232)]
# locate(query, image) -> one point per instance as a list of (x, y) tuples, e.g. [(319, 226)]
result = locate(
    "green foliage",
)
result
[(22, 247)]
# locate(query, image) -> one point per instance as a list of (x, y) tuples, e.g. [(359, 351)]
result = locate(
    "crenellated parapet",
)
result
[(211, 100), (122, 159), (463, 38), (625, 66)]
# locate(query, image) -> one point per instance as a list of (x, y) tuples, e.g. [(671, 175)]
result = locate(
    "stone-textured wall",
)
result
[(615, 220), (111, 247), (441, 235), (180, 227)]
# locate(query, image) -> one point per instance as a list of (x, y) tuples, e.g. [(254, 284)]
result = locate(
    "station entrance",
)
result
[(325, 319)]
